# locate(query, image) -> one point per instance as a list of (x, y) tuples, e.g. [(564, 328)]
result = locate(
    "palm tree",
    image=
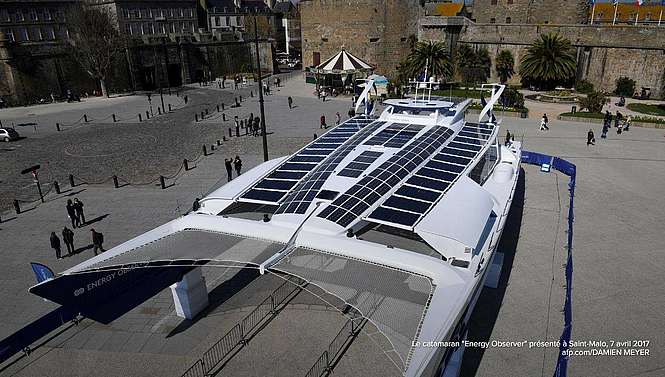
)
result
[(548, 61), (432, 54), (505, 65), (473, 66)]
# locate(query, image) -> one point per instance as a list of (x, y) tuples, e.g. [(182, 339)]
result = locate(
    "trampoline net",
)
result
[(394, 300), (195, 246)]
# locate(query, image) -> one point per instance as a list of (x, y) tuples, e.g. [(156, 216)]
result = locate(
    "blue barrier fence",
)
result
[(570, 170), (34, 331)]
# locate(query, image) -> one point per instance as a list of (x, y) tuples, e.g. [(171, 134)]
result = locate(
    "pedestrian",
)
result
[(352, 112), (606, 128), (290, 100), (235, 82), (68, 239), (323, 95), (608, 118), (315, 136), (507, 142), (626, 125), (279, 82), (186, 99), (97, 241), (237, 164), (55, 245), (617, 120), (78, 208), (338, 118), (236, 122), (224, 82), (196, 205), (619, 128), (590, 138), (543, 123), (228, 162), (257, 126), (71, 212), (323, 122)]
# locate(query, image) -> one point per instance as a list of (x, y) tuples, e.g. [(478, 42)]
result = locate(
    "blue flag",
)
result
[(42, 273)]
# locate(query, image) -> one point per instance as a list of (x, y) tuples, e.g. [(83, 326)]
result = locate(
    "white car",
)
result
[(8, 134)]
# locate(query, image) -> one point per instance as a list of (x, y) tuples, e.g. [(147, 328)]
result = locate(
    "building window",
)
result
[(169, 13), (182, 13), (10, 34), (161, 28), (238, 21), (36, 34), (23, 34), (373, 40), (4, 16), (33, 15), (508, 20), (49, 32), (47, 15), (228, 21), (493, 2), (510, 2), (125, 13), (18, 16), (190, 13), (172, 27), (316, 58), (128, 29), (492, 20)]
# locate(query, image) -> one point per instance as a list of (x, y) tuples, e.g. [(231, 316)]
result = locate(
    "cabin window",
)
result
[(485, 165)]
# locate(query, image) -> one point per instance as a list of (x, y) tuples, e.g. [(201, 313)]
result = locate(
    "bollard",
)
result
[(169, 107), (251, 93), (185, 164), (219, 142), (237, 104), (202, 116), (217, 108), (140, 120), (57, 126), (237, 131), (206, 111), (224, 117), (85, 118), (246, 131), (147, 114), (222, 107), (17, 207), (223, 138), (205, 151), (71, 180), (162, 182), (240, 98), (114, 120), (196, 117), (159, 111), (56, 186), (230, 132), (115, 181), (212, 147)]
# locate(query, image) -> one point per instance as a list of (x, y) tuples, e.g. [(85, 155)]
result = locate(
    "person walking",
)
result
[(71, 212), (338, 118), (543, 123), (626, 124), (68, 239), (324, 93), (237, 164), (590, 138), (55, 245), (78, 208), (507, 142), (290, 100), (323, 122), (97, 241), (228, 162), (608, 118), (352, 112), (606, 128), (224, 82)]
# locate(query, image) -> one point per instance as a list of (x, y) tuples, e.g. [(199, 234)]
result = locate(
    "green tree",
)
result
[(625, 86), (473, 66), (504, 65), (549, 61), (593, 102), (431, 54)]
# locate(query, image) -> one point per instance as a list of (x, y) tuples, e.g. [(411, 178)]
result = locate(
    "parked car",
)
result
[(8, 134)]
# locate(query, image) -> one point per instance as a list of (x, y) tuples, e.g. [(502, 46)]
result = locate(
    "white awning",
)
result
[(343, 62)]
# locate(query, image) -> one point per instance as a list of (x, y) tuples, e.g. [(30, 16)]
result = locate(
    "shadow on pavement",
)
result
[(96, 219), (489, 303), (219, 295)]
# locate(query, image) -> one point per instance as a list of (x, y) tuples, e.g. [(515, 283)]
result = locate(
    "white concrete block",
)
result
[(190, 294)]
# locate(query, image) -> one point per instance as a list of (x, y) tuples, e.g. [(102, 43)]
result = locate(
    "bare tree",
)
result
[(94, 40)]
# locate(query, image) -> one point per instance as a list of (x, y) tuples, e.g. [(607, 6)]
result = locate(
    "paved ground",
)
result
[(618, 264)]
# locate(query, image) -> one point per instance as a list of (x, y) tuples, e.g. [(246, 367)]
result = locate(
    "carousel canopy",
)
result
[(343, 62)]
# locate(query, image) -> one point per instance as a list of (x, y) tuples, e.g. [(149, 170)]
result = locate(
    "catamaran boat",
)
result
[(398, 216)]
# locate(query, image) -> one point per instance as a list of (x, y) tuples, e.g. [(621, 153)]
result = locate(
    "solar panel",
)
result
[(429, 183), (306, 190), (395, 136), (381, 180), (279, 182)]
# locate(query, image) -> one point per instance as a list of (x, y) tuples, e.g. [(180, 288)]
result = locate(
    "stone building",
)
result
[(376, 31), (291, 27), (166, 47), (529, 11)]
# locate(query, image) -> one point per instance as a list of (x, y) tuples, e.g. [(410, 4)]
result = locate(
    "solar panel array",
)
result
[(396, 135), (377, 183), (420, 192), (302, 195), (277, 184), (359, 164)]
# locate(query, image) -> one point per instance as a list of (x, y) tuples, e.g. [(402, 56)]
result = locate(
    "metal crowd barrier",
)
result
[(240, 334), (324, 364)]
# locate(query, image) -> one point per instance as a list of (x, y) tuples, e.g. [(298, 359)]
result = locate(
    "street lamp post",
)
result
[(258, 72)]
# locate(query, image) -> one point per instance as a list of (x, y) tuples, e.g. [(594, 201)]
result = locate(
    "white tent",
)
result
[(343, 62)]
